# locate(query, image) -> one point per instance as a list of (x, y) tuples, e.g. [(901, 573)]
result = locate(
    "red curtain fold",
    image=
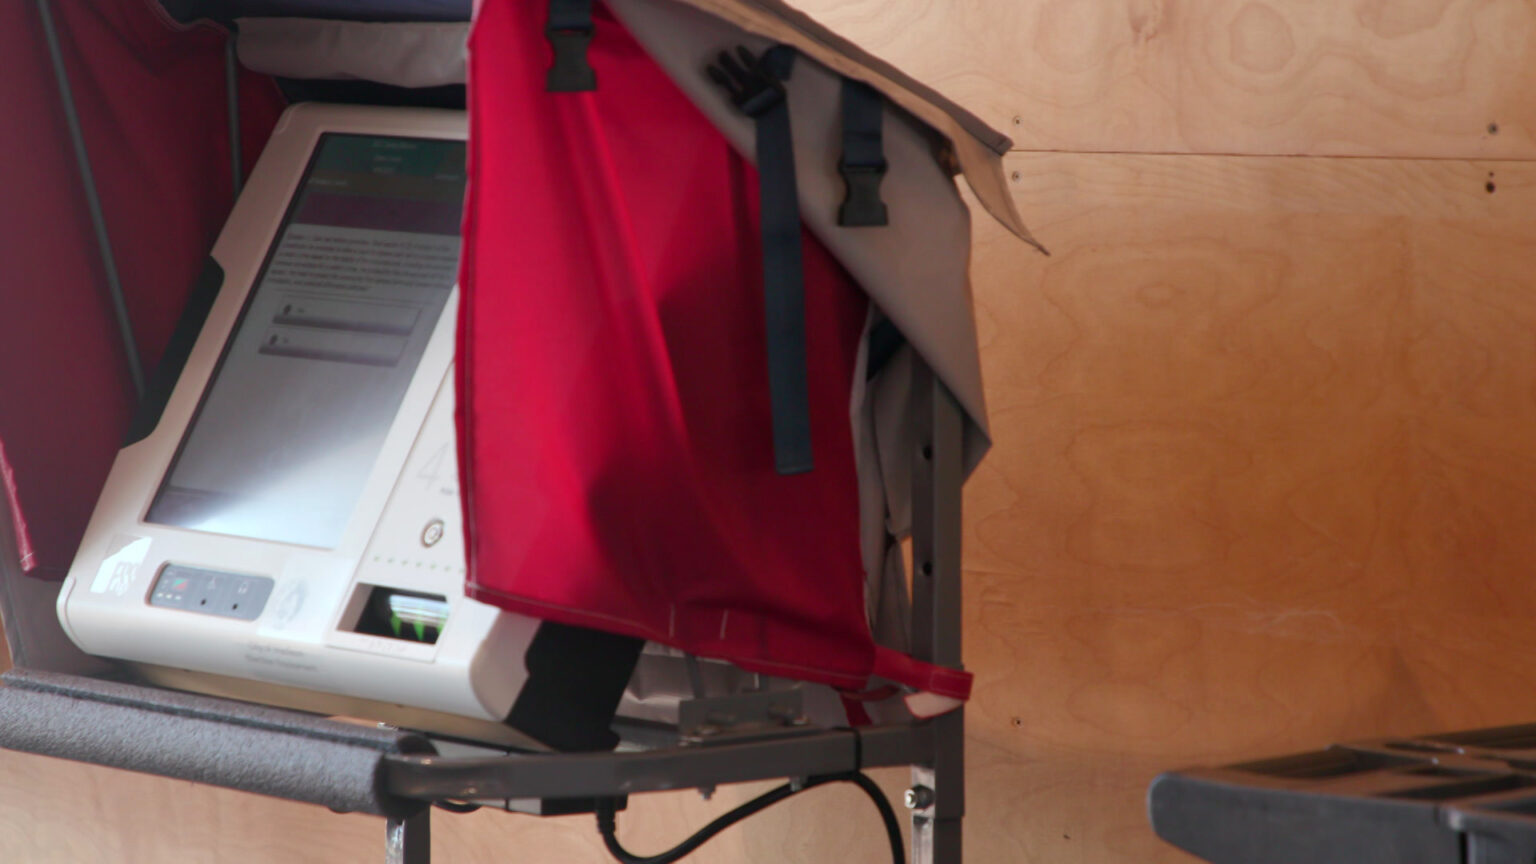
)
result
[(616, 442)]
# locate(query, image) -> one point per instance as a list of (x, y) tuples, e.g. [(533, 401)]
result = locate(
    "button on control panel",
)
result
[(211, 592), (432, 533)]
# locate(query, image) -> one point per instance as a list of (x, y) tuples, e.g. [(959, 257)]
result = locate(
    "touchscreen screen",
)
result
[(311, 380)]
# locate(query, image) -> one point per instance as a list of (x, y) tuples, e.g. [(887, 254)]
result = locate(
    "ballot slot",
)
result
[(394, 613)]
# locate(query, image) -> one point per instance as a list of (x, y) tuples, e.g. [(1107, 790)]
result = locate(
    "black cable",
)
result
[(456, 806), (887, 814), (608, 827)]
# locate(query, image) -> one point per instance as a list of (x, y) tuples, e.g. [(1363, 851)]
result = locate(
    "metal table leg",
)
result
[(409, 840), (938, 796)]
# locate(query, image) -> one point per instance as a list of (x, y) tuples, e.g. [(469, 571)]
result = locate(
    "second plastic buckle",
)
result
[(863, 207), (571, 72)]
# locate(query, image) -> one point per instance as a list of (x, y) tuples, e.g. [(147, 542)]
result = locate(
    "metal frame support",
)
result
[(590, 775), (938, 786), (409, 840), (232, 117), (92, 197)]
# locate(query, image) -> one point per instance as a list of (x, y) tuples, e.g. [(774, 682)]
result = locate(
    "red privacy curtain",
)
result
[(152, 103), (616, 443)]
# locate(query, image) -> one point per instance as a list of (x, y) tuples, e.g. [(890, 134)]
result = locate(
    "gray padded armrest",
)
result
[(269, 751)]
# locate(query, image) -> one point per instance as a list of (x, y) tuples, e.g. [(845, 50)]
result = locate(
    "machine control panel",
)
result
[(211, 592)]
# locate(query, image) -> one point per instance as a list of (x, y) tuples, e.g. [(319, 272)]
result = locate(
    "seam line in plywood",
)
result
[(1031, 151)]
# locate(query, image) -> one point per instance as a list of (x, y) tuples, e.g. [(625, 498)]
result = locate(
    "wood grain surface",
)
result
[(1262, 477), (1412, 78)]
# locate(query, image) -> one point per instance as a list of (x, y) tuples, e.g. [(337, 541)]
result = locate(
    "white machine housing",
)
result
[(404, 533)]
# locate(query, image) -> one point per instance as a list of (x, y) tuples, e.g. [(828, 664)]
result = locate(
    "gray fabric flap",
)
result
[(978, 149), (404, 55)]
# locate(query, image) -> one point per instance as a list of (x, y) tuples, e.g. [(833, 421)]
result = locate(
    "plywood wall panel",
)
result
[(1414, 78), (1262, 479)]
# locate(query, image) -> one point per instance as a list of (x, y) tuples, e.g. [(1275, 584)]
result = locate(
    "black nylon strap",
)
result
[(863, 163), (884, 341), (756, 87), (570, 33)]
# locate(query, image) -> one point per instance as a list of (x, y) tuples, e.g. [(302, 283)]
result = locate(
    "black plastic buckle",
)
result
[(752, 86), (571, 73), (862, 206)]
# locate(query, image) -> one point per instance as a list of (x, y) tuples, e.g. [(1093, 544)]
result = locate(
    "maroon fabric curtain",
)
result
[(152, 104)]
